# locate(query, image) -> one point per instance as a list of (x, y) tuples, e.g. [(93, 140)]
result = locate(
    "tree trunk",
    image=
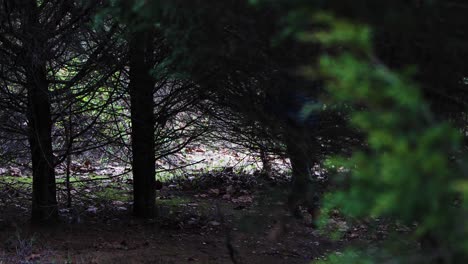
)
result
[(266, 163), (143, 123), (44, 201), (302, 151)]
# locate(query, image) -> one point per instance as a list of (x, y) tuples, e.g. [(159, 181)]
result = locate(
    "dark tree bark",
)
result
[(302, 150), (44, 202), (266, 163), (143, 122)]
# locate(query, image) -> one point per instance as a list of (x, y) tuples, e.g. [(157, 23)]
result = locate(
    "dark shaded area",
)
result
[(131, 84)]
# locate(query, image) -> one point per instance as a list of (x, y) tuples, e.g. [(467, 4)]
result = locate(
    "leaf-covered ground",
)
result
[(211, 215), (200, 218)]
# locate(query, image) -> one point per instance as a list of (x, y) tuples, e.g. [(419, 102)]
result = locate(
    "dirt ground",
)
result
[(218, 217), (128, 240), (146, 243)]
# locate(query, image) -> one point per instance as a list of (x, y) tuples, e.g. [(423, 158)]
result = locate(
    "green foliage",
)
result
[(352, 35), (349, 256), (137, 14), (112, 194), (408, 169)]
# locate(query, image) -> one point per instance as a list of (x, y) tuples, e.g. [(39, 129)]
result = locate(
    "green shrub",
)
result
[(409, 168)]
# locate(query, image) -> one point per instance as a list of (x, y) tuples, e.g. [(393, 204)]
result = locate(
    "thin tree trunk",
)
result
[(266, 163), (143, 122), (68, 132)]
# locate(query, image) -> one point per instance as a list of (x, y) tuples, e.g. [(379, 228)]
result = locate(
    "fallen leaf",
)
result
[(92, 209), (243, 199), (214, 223), (214, 191), (33, 257), (118, 203)]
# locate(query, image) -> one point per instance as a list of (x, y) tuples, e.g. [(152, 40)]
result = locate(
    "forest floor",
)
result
[(209, 217)]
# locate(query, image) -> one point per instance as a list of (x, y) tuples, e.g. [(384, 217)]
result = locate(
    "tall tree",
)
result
[(39, 40), (161, 113), (44, 205), (143, 122)]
